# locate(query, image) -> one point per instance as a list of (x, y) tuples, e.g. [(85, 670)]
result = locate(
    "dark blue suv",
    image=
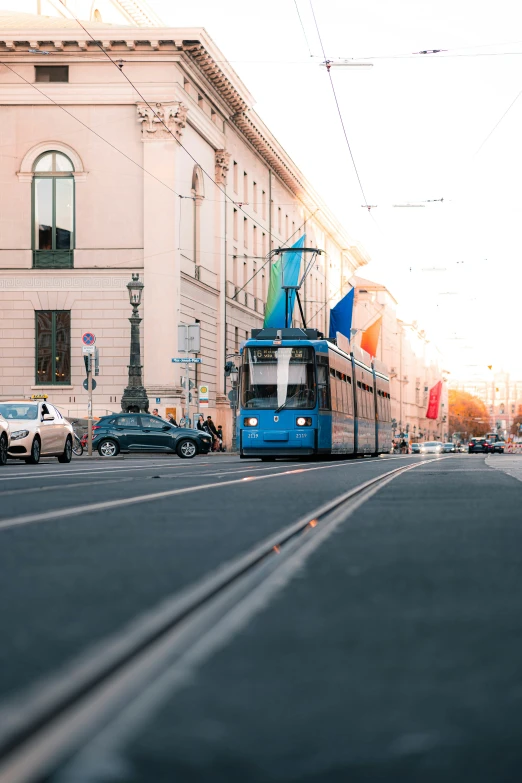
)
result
[(143, 432)]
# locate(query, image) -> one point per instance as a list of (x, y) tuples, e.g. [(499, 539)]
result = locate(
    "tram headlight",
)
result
[(304, 421), (251, 421)]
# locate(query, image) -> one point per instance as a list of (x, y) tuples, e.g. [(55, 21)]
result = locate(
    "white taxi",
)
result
[(37, 429), (4, 440)]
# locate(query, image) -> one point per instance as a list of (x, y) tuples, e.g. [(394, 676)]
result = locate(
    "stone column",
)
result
[(161, 209), (222, 403)]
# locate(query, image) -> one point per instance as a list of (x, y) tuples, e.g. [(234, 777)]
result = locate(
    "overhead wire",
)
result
[(339, 110), (303, 28)]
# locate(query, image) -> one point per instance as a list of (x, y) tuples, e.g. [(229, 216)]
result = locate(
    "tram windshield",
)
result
[(276, 377)]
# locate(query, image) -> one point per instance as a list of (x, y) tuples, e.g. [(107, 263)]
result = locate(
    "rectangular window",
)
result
[(245, 187), (279, 214), (254, 189), (235, 178), (263, 204), (53, 347), (245, 232), (263, 244), (234, 224), (254, 239), (51, 73)]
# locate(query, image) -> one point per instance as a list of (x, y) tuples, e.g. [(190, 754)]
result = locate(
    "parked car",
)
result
[(495, 447), (478, 446), (448, 448), (37, 429), (431, 447), (142, 432), (5, 438), (415, 448)]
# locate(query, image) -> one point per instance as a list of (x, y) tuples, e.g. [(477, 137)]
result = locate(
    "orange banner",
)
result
[(370, 338)]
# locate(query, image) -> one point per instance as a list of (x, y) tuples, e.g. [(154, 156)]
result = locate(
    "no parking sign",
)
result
[(88, 338)]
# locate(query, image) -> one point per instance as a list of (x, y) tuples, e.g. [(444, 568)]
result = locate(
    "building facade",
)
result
[(137, 151), (502, 396), (413, 361)]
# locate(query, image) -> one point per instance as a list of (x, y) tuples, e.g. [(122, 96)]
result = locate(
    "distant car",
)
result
[(496, 447), (37, 429), (431, 447), (415, 448), (5, 439), (462, 449), (135, 432), (448, 448), (478, 446)]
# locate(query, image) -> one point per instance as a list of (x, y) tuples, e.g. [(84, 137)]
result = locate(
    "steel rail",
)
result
[(55, 718)]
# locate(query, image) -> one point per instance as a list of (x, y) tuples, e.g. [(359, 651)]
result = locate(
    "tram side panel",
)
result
[(366, 442), (383, 420), (342, 405)]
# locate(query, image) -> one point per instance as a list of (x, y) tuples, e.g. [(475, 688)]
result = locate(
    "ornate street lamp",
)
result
[(135, 397)]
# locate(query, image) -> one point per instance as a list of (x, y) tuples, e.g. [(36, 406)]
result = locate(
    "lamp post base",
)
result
[(135, 400)]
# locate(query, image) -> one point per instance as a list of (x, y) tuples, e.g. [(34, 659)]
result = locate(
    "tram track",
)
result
[(54, 719)]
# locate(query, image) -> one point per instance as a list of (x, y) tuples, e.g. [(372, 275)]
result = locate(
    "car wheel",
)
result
[(34, 459), (108, 448), (3, 449), (186, 449), (67, 451)]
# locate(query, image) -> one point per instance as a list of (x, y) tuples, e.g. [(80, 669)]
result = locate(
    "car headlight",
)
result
[(251, 421), (19, 434), (304, 421)]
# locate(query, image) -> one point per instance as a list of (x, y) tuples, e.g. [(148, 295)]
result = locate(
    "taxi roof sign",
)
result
[(39, 396)]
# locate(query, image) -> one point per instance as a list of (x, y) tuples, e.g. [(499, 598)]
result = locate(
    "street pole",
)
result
[(89, 407)]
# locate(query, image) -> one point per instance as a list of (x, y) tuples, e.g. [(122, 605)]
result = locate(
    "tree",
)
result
[(467, 414), (515, 427)]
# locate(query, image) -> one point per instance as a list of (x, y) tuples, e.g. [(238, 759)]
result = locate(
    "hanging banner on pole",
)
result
[(434, 401), (285, 271)]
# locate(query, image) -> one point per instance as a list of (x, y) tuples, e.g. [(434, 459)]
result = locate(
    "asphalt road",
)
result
[(394, 653)]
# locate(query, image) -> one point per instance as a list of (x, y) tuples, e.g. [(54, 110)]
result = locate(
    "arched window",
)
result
[(53, 211)]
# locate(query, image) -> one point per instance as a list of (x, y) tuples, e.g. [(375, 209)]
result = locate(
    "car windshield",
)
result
[(23, 411), (275, 377), (433, 443)]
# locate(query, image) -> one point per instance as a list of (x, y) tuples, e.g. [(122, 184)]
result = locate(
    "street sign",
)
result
[(203, 395), (158, 400), (188, 360), (88, 338), (232, 396), (184, 383), (189, 338), (88, 349), (86, 384)]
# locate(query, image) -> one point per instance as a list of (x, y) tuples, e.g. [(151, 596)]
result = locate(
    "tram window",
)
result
[(332, 389), (322, 383)]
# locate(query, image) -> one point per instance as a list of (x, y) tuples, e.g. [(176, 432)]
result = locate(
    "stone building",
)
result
[(136, 149)]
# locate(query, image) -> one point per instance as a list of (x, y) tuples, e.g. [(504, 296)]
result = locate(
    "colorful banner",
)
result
[(341, 316), (285, 271), (434, 401), (370, 338)]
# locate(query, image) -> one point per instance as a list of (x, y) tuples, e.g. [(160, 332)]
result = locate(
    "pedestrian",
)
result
[(172, 420), (211, 428), (155, 412), (201, 423), (220, 438)]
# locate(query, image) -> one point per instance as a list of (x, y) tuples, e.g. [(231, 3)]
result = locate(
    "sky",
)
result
[(417, 126)]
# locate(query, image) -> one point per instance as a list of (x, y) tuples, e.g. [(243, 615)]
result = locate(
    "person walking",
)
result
[(155, 412), (201, 423), (211, 428), (172, 420)]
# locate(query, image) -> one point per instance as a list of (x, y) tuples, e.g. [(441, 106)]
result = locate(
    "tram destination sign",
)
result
[(269, 353)]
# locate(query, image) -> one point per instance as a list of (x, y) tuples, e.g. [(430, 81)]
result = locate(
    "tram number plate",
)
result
[(301, 434), (253, 435)]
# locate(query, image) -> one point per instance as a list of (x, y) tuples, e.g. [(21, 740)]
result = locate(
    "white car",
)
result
[(4, 440), (431, 447), (37, 430)]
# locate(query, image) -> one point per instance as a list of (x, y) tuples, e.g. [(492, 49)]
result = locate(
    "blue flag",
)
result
[(341, 316), (285, 271)]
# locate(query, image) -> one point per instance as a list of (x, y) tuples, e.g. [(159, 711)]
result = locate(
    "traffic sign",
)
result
[(158, 400), (88, 338), (86, 384), (232, 396), (188, 360), (88, 349)]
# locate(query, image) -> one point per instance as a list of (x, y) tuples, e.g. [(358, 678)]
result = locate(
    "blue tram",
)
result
[(302, 395)]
